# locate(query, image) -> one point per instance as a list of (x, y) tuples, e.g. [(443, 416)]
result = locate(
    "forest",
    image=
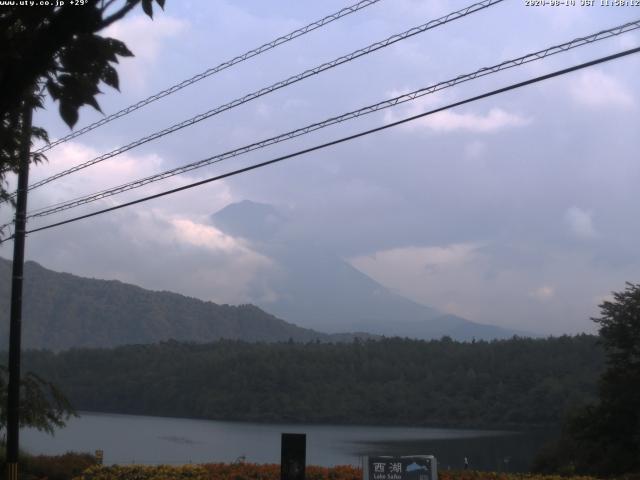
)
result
[(521, 382)]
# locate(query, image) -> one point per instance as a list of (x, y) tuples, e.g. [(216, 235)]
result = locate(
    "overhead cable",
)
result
[(213, 70), (343, 139), (276, 86), (530, 57)]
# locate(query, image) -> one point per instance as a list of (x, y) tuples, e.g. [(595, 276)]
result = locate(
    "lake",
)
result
[(127, 439)]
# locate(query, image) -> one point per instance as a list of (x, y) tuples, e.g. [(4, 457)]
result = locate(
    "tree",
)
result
[(43, 407), (614, 424), (604, 439), (55, 50)]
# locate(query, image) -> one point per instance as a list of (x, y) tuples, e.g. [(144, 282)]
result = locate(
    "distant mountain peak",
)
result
[(314, 287), (251, 220)]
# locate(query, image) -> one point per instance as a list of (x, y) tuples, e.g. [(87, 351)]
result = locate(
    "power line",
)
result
[(278, 85), (345, 139), (530, 57), (211, 71)]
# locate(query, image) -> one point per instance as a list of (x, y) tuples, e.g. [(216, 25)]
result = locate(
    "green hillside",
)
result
[(62, 311)]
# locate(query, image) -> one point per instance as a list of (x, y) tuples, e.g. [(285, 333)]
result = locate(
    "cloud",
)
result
[(562, 19), (401, 267), (164, 244), (600, 299), (145, 39), (447, 121), (628, 41), (580, 223), (263, 110), (543, 293), (598, 90), (155, 249), (220, 267), (475, 150), (206, 236), (440, 276), (496, 119), (94, 178), (419, 261), (124, 168), (477, 282)]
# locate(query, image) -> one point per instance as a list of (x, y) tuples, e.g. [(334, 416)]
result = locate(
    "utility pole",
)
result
[(15, 325)]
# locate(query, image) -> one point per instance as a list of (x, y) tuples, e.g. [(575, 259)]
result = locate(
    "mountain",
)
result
[(61, 311), (315, 288), (310, 290)]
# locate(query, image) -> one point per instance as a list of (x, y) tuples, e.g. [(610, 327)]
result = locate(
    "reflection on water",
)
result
[(151, 440)]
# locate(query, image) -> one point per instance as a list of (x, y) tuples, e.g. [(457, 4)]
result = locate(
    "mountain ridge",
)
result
[(315, 288), (62, 310)]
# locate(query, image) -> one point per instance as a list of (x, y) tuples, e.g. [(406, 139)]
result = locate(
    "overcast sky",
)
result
[(519, 210)]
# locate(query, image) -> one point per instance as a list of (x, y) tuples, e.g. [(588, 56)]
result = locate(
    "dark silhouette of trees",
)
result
[(509, 383), (55, 50), (604, 438)]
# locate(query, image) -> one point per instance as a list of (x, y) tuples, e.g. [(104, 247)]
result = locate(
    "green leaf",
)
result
[(110, 77), (147, 6), (53, 89), (39, 133), (68, 112), (94, 103), (118, 47)]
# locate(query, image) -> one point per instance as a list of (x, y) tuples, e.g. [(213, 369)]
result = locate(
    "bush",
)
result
[(474, 475), (51, 467), (213, 471), (59, 467), (144, 472), (254, 471)]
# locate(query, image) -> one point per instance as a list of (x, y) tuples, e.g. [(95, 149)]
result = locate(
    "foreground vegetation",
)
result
[(517, 382), (82, 466), (251, 471), (50, 467)]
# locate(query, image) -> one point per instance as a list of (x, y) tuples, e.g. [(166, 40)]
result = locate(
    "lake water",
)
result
[(129, 439)]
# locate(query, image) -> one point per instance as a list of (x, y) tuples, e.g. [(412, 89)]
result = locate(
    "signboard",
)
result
[(415, 467)]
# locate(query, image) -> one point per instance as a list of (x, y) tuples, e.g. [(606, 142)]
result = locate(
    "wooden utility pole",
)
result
[(15, 325)]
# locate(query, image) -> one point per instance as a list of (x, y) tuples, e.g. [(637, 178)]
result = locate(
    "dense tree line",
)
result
[(517, 382)]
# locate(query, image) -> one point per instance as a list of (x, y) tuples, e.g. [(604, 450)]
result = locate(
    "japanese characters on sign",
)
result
[(419, 467)]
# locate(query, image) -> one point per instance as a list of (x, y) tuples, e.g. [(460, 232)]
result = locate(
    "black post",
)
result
[(293, 456), (15, 326)]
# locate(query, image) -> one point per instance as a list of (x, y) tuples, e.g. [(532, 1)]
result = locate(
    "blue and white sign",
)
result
[(413, 467)]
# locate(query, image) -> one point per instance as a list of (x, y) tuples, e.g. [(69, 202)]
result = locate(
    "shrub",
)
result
[(59, 467), (144, 472)]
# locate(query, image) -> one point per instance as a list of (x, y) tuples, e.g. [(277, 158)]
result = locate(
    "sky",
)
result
[(519, 210)]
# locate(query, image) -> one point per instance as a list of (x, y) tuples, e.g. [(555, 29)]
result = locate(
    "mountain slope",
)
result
[(61, 310), (315, 288)]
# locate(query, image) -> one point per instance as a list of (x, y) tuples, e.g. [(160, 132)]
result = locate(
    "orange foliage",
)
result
[(254, 471)]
